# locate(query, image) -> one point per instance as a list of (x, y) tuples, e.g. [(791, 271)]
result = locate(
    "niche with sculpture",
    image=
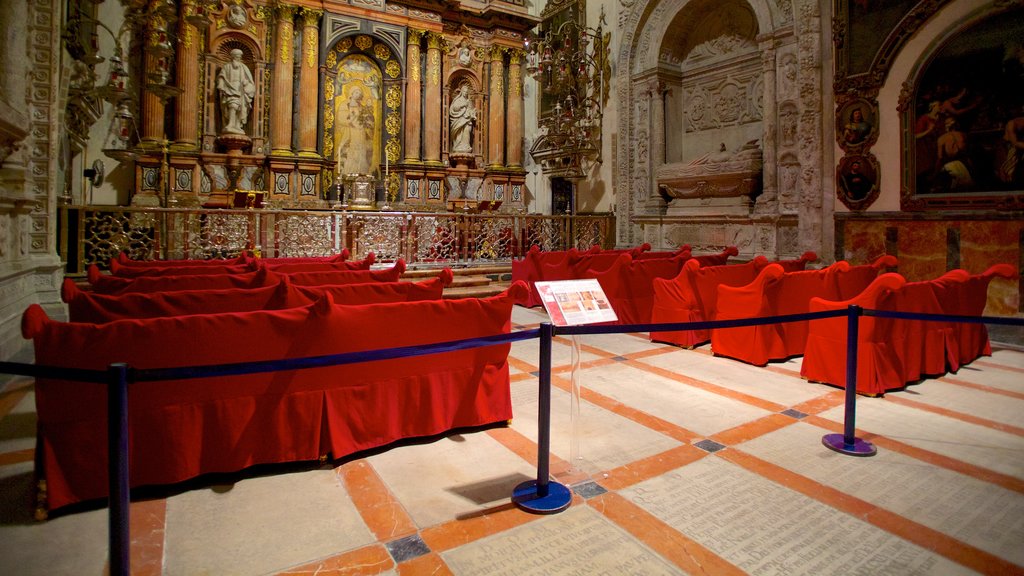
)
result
[(463, 123), (357, 110)]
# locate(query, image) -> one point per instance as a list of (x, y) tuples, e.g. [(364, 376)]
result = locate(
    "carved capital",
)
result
[(498, 53), (311, 16), (285, 11), (435, 41)]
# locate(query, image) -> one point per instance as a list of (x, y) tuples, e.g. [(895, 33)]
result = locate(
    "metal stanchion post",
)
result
[(541, 495), (117, 468), (847, 442)]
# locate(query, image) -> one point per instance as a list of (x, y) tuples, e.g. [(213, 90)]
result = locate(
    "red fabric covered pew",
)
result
[(538, 265), (895, 352), (879, 364), (262, 277), (966, 294), (123, 261), (119, 271), (348, 276), (182, 429), (100, 308), (776, 292), (314, 266), (104, 284), (692, 295), (629, 284)]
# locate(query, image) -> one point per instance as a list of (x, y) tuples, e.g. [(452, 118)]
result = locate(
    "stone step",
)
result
[(475, 291)]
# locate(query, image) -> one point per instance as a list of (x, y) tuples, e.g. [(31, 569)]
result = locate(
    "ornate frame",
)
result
[(911, 117)]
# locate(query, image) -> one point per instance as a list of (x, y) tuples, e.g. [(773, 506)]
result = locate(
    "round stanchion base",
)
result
[(525, 496), (838, 443)]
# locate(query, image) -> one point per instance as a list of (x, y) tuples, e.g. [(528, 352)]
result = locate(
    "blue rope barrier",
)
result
[(540, 495)]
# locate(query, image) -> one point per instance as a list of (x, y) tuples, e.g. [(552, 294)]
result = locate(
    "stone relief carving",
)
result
[(787, 77), (721, 48), (787, 124), (717, 102)]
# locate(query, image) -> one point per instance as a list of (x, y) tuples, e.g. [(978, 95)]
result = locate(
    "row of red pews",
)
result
[(181, 429)]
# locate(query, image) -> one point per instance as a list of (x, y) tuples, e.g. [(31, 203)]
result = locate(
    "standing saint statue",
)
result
[(462, 115), (236, 87), (355, 135)]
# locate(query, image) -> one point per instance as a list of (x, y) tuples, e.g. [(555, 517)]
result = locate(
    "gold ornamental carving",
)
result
[(364, 42), (414, 64), (393, 68), (329, 88), (515, 83), (310, 51), (393, 149), (286, 43), (344, 45), (434, 41), (393, 123), (332, 59), (515, 56), (433, 67), (382, 52), (393, 97)]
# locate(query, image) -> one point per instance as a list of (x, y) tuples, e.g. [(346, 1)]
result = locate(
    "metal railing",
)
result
[(95, 234)]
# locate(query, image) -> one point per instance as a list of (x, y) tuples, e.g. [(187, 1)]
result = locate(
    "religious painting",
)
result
[(357, 116), (964, 123), (857, 180), (856, 124)]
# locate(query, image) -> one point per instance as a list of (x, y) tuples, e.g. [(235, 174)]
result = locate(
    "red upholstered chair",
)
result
[(798, 263), (879, 363), (964, 294), (527, 269), (861, 275), (348, 276), (774, 292), (186, 428), (104, 284), (319, 266), (692, 296)]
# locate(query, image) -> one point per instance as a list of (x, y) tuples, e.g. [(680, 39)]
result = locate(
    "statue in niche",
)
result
[(462, 115), (237, 89), (355, 135)]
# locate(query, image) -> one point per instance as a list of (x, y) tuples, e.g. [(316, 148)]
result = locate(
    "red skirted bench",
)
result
[(776, 292), (629, 283), (895, 352), (186, 428), (538, 265), (691, 295), (181, 268), (98, 308), (262, 277)]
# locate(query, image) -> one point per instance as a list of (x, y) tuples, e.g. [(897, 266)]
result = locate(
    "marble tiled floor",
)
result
[(685, 464)]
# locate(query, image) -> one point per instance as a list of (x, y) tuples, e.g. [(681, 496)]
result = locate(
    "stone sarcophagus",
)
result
[(722, 182)]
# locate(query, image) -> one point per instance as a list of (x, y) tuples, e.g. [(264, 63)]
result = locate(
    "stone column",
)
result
[(656, 89), (308, 80), (496, 109), (766, 202), (281, 83), (514, 137), (186, 128), (432, 101), (413, 92)]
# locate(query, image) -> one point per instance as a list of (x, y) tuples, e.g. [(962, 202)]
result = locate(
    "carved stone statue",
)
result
[(236, 89), (462, 115)]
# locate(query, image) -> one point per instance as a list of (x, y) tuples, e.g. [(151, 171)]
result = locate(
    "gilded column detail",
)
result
[(153, 133), (281, 82), (186, 127), (432, 101), (308, 80), (496, 108), (514, 122), (413, 93)]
